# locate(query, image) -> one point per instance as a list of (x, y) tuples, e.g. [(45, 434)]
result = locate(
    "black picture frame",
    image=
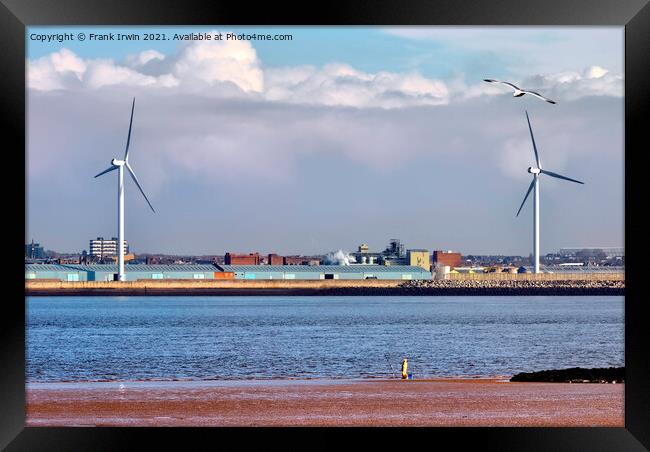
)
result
[(15, 15)]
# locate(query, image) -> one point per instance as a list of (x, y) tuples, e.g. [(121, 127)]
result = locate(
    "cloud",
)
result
[(254, 174), (56, 71), (144, 57), (232, 68), (342, 85), (196, 67), (593, 81), (515, 157), (561, 86), (242, 155), (104, 72), (221, 61), (64, 70)]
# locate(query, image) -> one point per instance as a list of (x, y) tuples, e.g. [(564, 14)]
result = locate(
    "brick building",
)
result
[(295, 260), (449, 258), (242, 259)]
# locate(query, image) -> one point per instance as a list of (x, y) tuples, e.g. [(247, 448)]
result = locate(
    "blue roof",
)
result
[(110, 268), (323, 268)]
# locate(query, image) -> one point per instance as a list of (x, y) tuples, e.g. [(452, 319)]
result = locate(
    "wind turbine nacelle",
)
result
[(117, 162), (532, 170)]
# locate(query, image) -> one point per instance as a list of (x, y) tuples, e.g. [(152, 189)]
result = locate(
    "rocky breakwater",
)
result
[(574, 375), (513, 287)]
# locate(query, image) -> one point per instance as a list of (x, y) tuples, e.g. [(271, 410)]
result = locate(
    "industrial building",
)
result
[(446, 258), (34, 251), (134, 272), (107, 272), (276, 259), (365, 256), (300, 260), (403, 272), (393, 255), (242, 259), (101, 248), (420, 258)]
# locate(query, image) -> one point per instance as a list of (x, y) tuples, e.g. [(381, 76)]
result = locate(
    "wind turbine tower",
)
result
[(120, 165), (536, 172)]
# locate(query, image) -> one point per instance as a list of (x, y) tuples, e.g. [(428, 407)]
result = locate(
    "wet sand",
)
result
[(471, 402)]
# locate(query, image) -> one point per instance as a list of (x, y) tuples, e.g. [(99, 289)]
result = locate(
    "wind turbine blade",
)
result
[(539, 165), (135, 179), (128, 139), (113, 167), (559, 176), (530, 188)]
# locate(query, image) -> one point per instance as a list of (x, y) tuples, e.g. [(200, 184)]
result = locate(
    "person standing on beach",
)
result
[(405, 366)]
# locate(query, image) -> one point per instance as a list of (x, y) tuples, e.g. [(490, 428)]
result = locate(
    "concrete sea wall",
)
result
[(467, 286), (584, 276)]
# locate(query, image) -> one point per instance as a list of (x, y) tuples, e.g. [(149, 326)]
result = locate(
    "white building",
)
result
[(101, 248)]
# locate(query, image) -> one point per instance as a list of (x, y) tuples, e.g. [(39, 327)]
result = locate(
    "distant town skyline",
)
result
[(338, 137), (88, 249)]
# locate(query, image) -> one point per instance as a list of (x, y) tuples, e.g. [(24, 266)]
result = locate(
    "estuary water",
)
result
[(205, 338)]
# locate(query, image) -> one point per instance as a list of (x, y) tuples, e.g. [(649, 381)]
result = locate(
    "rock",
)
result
[(574, 375)]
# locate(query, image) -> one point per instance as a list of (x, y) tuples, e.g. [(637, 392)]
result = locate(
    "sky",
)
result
[(337, 137)]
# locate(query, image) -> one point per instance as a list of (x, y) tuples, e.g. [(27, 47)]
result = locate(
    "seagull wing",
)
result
[(510, 85), (499, 81), (540, 96)]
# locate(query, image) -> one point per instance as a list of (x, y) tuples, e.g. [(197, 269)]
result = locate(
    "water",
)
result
[(139, 338)]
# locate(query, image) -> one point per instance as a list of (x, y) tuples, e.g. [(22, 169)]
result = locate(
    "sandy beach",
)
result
[(451, 402)]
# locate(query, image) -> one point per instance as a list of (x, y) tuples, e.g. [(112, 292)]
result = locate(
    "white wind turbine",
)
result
[(536, 171), (119, 165)]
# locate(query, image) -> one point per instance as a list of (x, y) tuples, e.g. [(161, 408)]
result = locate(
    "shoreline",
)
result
[(330, 288), (71, 384), (320, 402)]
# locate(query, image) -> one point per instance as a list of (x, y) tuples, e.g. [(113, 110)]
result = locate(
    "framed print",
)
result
[(381, 216)]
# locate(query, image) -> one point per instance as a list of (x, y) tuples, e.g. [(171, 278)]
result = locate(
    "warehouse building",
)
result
[(326, 271), (106, 272), (56, 271), (134, 272)]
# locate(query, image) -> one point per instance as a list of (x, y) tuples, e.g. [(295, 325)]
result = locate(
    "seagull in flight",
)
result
[(518, 91)]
